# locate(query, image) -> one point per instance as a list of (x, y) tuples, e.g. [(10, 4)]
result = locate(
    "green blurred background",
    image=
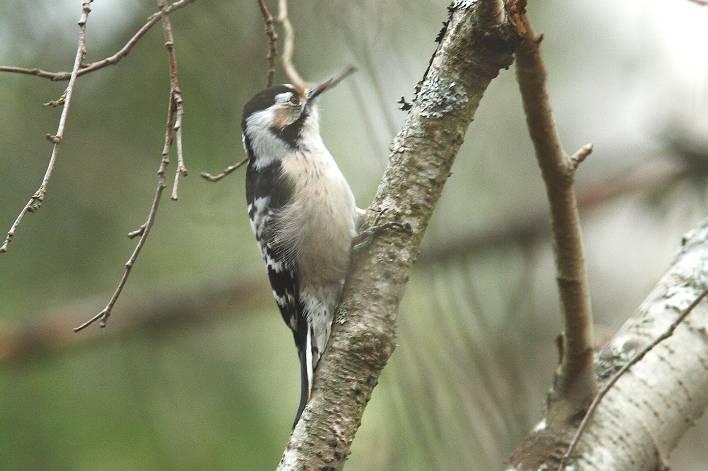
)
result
[(209, 379)]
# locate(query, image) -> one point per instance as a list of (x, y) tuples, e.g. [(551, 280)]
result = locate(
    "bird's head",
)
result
[(283, 118), (284, 112)]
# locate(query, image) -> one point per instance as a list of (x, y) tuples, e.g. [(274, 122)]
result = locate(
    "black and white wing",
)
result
[(266, 193)]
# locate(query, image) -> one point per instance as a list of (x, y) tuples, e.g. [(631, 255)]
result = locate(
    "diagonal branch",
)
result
[(575, 383), (173, 132), (478, 42), (36, 200), (110, 60)]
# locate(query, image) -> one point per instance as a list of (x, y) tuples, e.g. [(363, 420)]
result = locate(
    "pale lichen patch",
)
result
[(439, 96)]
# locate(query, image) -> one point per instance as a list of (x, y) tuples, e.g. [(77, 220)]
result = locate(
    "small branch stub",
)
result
[(226, 171), (579, 156)]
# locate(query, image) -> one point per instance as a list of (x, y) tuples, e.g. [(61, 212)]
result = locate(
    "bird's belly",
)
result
[(320, 222)]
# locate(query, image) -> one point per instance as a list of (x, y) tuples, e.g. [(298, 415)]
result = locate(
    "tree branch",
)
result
[(575, 382), (36, 200), (176, 96), (477, 43), (288, 45), (173, 127), (111, 60), (272, 42), (649, 408), (608, 385), (270, 59)]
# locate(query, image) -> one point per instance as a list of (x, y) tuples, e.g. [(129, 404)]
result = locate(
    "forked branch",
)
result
[(173, 135), (36, 200)]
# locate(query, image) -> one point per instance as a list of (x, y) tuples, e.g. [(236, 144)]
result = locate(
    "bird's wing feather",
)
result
[(266, 193)]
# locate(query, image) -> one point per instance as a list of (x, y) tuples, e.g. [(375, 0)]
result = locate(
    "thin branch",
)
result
[(35, 201), (700, 2), (111, 60), (144, 232), (176, 94), (272, 41), (288, 45), (575, 384), (270, 58), (591, 410), (173, 128), (226, 171)]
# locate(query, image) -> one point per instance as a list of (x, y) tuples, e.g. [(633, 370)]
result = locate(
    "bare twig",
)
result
[(288, 45), (176, 96), (636, 358), (173, 131), (35, 201), (144, 232), (270, 58), (576, 382), (700, 2), (226, 171), (272, 41), (111, 60)]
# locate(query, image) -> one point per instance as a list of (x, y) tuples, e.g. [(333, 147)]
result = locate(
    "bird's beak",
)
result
[(319, 89), (329, 83)]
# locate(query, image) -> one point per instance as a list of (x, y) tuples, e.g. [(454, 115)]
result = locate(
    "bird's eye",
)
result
[(294, 99)]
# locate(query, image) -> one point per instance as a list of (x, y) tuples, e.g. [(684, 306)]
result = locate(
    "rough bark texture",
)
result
[(476, 43), (642, 418)]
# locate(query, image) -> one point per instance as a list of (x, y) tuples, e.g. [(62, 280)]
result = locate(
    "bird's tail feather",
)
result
[(306, 375)]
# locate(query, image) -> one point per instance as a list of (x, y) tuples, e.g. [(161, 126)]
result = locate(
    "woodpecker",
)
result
[(302, 213)]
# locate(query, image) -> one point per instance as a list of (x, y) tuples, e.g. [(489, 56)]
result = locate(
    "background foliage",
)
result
[(477, 330)]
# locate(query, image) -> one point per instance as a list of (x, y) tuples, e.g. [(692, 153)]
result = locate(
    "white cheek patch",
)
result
[(267, 147)]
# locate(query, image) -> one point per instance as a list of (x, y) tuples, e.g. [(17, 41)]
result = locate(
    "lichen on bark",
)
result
[(477, 42)]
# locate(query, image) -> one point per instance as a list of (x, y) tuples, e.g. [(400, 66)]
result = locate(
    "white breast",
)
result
[(317, 226)]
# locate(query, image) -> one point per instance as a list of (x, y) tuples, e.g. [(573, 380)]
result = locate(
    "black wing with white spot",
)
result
[(266, 192)]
